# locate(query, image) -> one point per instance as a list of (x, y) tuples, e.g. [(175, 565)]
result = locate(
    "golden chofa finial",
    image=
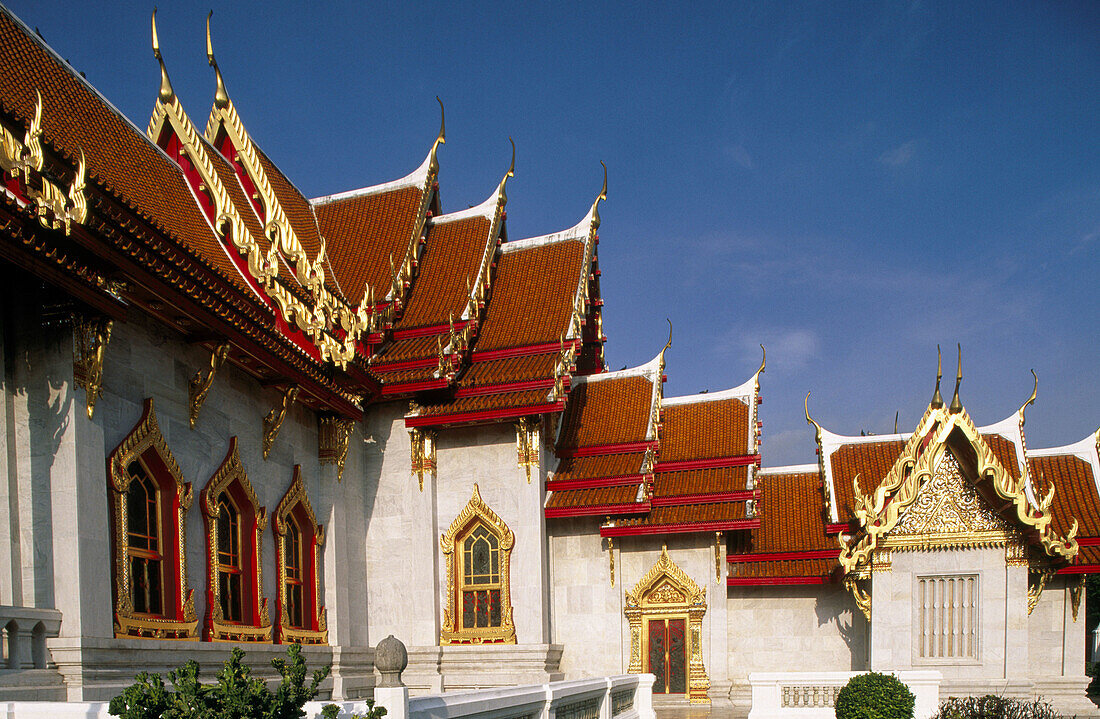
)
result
[(763, 360), (667, 345), (166, 92), (1031, 399), (956, 405), (937, 398), (442, 125), (221, 97), (811, 420)]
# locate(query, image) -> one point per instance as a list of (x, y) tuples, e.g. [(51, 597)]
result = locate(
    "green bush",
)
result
[(235, 695), (993, 707), (373, 712), (875, 696)]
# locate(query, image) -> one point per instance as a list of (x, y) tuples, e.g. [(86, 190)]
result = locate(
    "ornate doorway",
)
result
[(665, 610)]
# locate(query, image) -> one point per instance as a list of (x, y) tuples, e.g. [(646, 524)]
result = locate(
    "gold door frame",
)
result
[(667, 592)]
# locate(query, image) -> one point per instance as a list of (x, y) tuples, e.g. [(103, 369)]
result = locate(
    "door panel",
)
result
[(677, 657), (667, 656), (658, 655)]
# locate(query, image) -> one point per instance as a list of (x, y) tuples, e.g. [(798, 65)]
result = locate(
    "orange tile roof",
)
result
[(607, 411), (512, 369), (603, 465), (482, 403), (403, 376), (296, 207), (1005, 452), (1074, 492), (872, 461), (409, 348), (120, 159), (791, 515), (533, 293), (699, 481), (687, 514), (783, 568), (362, 232), (451, 257), (1088, 555), (598, 497), (703, 430)]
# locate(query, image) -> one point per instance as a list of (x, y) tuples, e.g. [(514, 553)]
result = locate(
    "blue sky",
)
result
[(848, 184)]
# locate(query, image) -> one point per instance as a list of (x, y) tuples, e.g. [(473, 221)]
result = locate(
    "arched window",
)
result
[(477, 547), (298, 538), (149, 500), (235, 607)]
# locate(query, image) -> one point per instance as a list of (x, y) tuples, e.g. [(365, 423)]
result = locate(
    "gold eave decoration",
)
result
[(666, 590), (200, 384), (422, 450), (220, 630), (286, 634), (581, 295), (479, 289), (527, 444), (144, 437), (333, 440), (327, 311), (90, 338), (55, 208), (450, 633), (273, 422)]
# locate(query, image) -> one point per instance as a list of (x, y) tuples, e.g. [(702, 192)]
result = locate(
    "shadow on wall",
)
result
[(850, 624)]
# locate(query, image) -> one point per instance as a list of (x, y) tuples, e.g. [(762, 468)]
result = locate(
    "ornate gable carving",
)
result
[(666, 583)]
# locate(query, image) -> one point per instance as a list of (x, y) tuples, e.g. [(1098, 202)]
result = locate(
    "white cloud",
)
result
[(740, 155), (900, 155)]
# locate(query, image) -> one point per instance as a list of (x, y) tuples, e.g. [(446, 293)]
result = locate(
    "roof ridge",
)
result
[(640, 371), (745, 389), (416, 178), (578, 232)]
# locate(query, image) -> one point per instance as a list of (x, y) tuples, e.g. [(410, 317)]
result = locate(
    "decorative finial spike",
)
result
[(1031, 399), (763, 360), (896, 415), (166, 92), (603, 192), (937, 398), (442, 124), (221, 97), (956, 405), (512, 165)]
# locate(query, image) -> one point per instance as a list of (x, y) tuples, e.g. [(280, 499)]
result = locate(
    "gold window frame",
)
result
[(667, 592), (143, 438), (232, 472), (476, 512), (286, 634)]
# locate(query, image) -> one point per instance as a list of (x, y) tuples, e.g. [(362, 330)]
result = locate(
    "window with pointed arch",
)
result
[(478, 549), (236, 610), (298, 539), (149, 501)]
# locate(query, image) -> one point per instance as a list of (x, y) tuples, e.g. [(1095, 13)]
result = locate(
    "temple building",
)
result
[(234, 415)]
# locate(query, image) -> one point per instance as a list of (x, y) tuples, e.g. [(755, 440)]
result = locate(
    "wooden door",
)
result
[(667, 655)]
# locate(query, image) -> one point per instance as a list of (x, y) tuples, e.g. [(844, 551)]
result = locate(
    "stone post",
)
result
[(390, 659)]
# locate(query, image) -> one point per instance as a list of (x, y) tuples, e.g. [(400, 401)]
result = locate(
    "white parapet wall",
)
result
[(812, 695), (628, 696)]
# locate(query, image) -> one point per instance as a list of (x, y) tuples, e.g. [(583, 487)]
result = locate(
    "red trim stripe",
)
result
[(684, 499), (598, 449), (783, 556), (430, 330), (739, 461), (409, 387), (595, 511), (644, 529), (506, 387), (508, 353), (773, 581), (383, 367), (836, 528), (598, 482), (1088, 541), (484, 415), (1080, 569)]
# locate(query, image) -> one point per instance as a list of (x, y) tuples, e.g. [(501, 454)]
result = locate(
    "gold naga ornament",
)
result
[(333, 440), (273, 422), (200, 384), (90, 338)]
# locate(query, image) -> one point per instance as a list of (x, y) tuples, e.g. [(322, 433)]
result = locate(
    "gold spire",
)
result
[(221, 97), (1034, 394), (442, 139), (811, 420), (956, 405), (166, 92), (937, 398), (595, 212), (763, 360), (667, 345)]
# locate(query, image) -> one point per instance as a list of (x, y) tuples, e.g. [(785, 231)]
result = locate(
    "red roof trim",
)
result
[(595, 511), (773, 581), (429, 330), (598, 449), (739, 461), (682, 499), (643, 529), (405, 364), (506, 387), (484, 415), (509, 352), (837, 528), (597, 482), (414, 386), (1088, 541), (783, 556), (1080, 569)]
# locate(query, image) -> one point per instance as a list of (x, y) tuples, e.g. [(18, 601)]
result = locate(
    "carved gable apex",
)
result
[(948, 511)]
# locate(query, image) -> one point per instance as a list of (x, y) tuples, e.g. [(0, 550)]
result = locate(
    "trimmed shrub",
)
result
[(994, 707), (235, 695), (875, 696)]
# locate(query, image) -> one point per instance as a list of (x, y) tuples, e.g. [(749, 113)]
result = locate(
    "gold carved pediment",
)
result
[(666, 583)]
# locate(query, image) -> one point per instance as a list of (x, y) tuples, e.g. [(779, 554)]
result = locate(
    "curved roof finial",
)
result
[(763, 361), (166, 91), (896, 415), (937, 398), (503, 197), (221, 97), (811, 420), (595, 211), (1031, 399), (667, 345), (442, 139), (956, 405), (512, 165)]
